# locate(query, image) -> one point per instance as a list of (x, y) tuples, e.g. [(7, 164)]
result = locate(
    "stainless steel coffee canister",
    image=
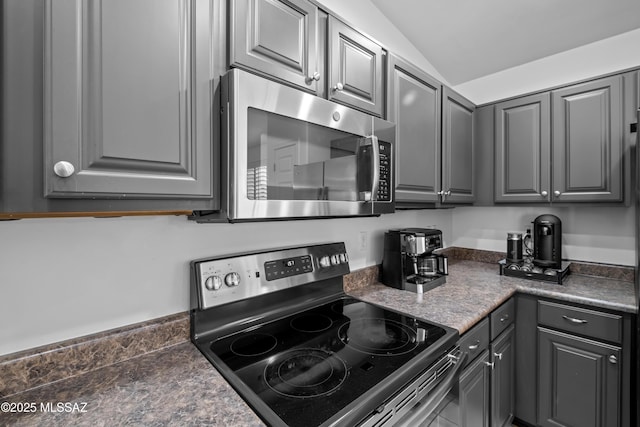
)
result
[(514, 247)]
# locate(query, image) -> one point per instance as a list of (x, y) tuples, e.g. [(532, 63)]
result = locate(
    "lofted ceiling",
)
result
[(468, 39)]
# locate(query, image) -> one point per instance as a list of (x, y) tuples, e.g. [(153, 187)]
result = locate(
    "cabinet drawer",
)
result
[(475, 341), (501, 318), (581, 321)]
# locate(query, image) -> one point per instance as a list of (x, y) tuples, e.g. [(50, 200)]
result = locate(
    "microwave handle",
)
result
[(372, 195)]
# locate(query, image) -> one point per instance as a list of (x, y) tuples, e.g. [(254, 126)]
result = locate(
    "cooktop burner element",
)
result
[(311, 323), (378, 336), (300, 351), (253, 344), (306, 372)]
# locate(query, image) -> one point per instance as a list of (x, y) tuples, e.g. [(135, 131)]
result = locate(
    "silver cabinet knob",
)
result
[(490, 364), (544, 193), (498, 355), (557, 193), (338, 87), (447, 193), (63, 169), (314, 78), (613, 359)]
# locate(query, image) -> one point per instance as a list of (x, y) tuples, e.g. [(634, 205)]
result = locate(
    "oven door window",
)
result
[(290, 159)]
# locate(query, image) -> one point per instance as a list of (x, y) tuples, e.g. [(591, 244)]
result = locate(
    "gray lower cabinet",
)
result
[(573, 365), (485, 393), (278, 38), (128, 89), (356, 68), (413, 103), (474, 394), (579, 381), (458, 148), (502, 378), (567, 145)]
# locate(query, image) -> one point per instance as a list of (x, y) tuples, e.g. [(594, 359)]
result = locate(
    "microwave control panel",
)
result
[(384, 187)]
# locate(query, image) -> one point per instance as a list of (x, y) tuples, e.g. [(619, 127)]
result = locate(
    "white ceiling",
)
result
[(468, 39)]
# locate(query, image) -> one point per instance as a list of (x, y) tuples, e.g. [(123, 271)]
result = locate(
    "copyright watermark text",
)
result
[(52, 407)]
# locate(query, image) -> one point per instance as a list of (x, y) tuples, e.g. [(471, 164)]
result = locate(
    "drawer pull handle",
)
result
[(474, 347), (490, 364), (498, 355), (613, 359), (574, 320), (504, 318)]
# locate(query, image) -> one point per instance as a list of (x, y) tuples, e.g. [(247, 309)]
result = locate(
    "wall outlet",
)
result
[(364, 240)]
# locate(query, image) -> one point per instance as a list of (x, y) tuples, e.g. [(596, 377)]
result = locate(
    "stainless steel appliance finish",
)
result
[(409, 262), (278, 326), (290, 154)]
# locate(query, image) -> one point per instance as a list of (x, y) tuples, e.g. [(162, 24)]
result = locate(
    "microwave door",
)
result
[(339, 179), (308, 182)]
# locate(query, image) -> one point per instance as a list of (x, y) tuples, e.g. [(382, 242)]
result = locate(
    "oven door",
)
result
[(289, 154), (425, 398)]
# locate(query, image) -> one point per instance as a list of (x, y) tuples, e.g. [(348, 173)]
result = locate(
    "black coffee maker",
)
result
[(547, 241), (409, 262)]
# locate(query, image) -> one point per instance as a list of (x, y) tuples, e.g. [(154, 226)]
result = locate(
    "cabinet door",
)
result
[(457, 148), (278, 38), (523, 149), (413, 103), (474, 394), (502, 378), (127, 99), (356, 69), (588, 142), (579, 381)]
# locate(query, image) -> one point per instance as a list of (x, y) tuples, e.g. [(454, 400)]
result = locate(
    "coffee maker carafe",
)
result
[(409, 262), (547, 241)]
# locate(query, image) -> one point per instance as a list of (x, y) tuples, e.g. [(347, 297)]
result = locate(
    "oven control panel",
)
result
[(221, 280)]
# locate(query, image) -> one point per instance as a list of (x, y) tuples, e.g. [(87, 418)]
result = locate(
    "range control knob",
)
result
[(335, 260), (232, 279), (343, 258), (213, 283), (324, 262)]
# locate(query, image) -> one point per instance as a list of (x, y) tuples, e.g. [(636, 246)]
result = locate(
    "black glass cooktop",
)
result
[(309, 366)]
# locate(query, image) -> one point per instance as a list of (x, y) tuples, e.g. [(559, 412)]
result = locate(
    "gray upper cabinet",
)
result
[(413, 103), (457, 148), (566, 145), (355, 69), (523, 149), (588, 142), (127, 99), (279, 38)]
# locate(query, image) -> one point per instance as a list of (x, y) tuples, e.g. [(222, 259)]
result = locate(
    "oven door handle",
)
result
[(422, 409)]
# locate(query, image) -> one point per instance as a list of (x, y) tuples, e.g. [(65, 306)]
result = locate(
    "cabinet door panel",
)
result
[(413, 104), (457, 148), (588, 142), (356, 69), (502, 378), (474, 395), (119, 100), (522, 151), (579, 381), (278, 38)]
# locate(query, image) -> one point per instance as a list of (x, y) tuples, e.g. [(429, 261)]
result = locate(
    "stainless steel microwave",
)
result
[(290, 154)]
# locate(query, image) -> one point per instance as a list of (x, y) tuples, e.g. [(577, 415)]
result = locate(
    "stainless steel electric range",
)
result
[(278, 326)]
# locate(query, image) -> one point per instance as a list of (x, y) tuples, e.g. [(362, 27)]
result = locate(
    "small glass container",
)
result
[(514, 247)]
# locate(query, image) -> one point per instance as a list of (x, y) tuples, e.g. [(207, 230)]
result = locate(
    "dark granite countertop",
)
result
[(176, 385), (474, 289)]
